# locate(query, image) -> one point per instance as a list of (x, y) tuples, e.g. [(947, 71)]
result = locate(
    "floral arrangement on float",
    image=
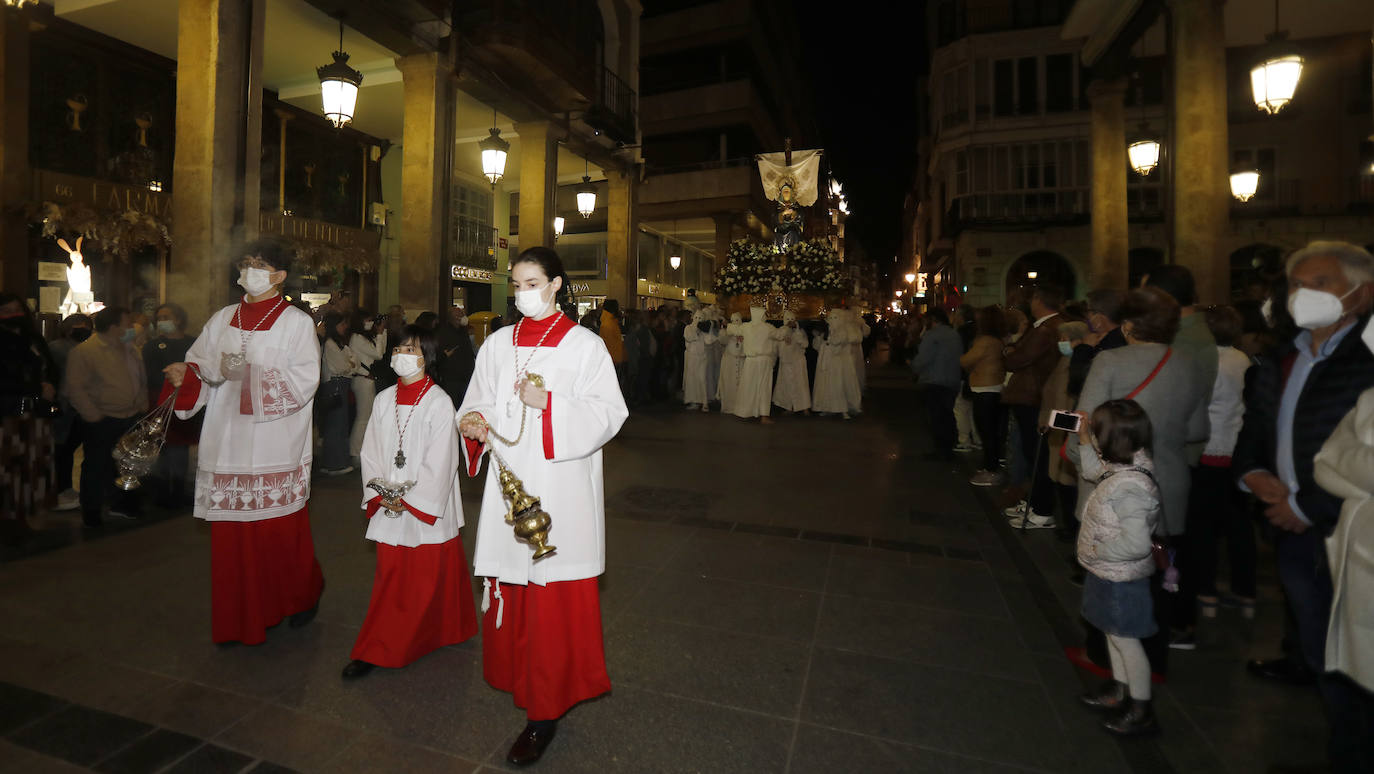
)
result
[(805, 278), (119, 234)]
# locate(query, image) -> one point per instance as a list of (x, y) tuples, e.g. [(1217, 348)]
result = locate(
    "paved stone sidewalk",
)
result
[(807, 597)]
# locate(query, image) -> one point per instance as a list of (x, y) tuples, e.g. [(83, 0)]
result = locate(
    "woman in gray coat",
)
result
[(1174, 395)]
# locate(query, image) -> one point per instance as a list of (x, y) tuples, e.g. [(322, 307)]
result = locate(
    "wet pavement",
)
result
[(813, 596)]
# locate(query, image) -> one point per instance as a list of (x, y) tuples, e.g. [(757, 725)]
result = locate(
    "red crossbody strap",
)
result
[(1152, 375)]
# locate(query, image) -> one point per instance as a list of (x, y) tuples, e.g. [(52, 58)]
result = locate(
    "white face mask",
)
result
[(1267, 311), (166, 327), (405, 365), (531, 303), (1312, 309), (255, 281), (463, 321), (1368, 336)]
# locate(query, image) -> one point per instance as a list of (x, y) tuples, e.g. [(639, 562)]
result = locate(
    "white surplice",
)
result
[(255, 444), (558, 458), (792, 392), (694, 364), (432, 457), (755, 396), (731, 363)]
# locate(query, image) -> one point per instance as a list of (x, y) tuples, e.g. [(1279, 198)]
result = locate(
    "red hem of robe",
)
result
[(260, 573), (375, 504), (474, 450), (547, 423), (190, 390), (548, 653), (421, 601)]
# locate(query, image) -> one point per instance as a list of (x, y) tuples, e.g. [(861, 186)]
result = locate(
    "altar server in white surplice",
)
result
[(541, 628), (837, 380), (421, 592), (254, 370), (760, 349), (699, 337), (731, 362), (792, 392)]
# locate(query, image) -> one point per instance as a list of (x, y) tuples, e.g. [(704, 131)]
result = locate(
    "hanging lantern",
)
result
[(675, 261), (586, 197), (1273, 82), (557, 226), (910, 277), (1144, 156), (339, 86), (1244, 184), (494, 151)]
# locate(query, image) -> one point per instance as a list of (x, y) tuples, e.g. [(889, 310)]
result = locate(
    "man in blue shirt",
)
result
[(938, 374), (1295, 401)]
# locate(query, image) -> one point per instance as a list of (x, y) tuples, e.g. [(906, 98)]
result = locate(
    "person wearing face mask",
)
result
[(254, 370), (1294, 402), (457, 357), (169, 345), (541, 629), (106, 385), (421, 592), (27, 392)]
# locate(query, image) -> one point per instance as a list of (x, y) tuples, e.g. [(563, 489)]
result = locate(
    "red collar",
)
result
[(531, 331), (409, 394), (254, 313)]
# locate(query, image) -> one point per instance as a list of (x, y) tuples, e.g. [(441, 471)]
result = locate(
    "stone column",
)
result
[(622, 237), (208, 173), (1110, 233), (16, 276), (1199, 204), (538, 183), (725, 223), (424, 281)]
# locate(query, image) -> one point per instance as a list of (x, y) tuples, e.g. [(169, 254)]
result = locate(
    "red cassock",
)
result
[(260, 573), (421, 601)]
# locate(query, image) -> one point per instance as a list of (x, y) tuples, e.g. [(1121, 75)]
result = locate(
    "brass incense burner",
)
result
[(530, 521)]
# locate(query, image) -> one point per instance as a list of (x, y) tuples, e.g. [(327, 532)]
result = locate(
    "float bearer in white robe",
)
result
[(731, 363), (760, 348), (714, 351), (837, 380), (541, 628), (254, 370), (699, 337), (792, 392), (421, 592)]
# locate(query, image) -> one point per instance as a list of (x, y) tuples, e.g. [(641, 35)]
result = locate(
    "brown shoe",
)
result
[(530, 745)]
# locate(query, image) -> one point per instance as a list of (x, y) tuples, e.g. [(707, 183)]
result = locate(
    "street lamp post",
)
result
[(339, 86)]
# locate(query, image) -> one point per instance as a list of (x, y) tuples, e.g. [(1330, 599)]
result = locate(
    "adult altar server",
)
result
[(541, 629), (731, 364), (792, 392), (760, 349), (699, 336), (421, 593), (254, 369)]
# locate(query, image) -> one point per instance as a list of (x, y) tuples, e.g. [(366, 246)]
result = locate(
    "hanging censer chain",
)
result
[(538, 381), (401, 438)]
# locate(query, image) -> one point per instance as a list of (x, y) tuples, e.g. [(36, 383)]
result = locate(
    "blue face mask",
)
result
[(129, 335), (1066, 348)]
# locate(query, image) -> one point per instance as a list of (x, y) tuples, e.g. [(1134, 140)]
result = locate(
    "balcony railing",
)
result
[(471, 241), (614, 111)]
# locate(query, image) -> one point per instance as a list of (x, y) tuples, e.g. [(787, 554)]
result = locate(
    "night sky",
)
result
[(864, 60)]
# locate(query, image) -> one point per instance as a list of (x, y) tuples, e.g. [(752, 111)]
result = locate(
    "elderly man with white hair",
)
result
[(1297, 399)]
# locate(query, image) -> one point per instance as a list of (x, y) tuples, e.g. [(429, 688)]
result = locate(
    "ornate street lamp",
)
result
[(586, 193), (675, 261), (1244, 184), (1273, 81), (909, 277), (339, 86), (494, 150), (1144, 156), (557, 226)]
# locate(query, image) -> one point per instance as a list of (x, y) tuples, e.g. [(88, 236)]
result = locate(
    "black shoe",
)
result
[(1136, 719), (1282, 669), (530, 745), (297, 620), (356, 669), (1109, 696)]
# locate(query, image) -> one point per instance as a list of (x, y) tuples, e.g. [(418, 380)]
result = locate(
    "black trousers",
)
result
[(1027, 420), (1216, 509), (65, 453), (98, 469), (939, 402), (990, 417)]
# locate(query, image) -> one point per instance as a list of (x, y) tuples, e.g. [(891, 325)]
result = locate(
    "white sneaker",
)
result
[(1015, 511), (68, 501), (1032, 521)]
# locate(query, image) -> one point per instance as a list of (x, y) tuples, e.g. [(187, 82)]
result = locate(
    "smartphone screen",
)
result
[(1062, 420)]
